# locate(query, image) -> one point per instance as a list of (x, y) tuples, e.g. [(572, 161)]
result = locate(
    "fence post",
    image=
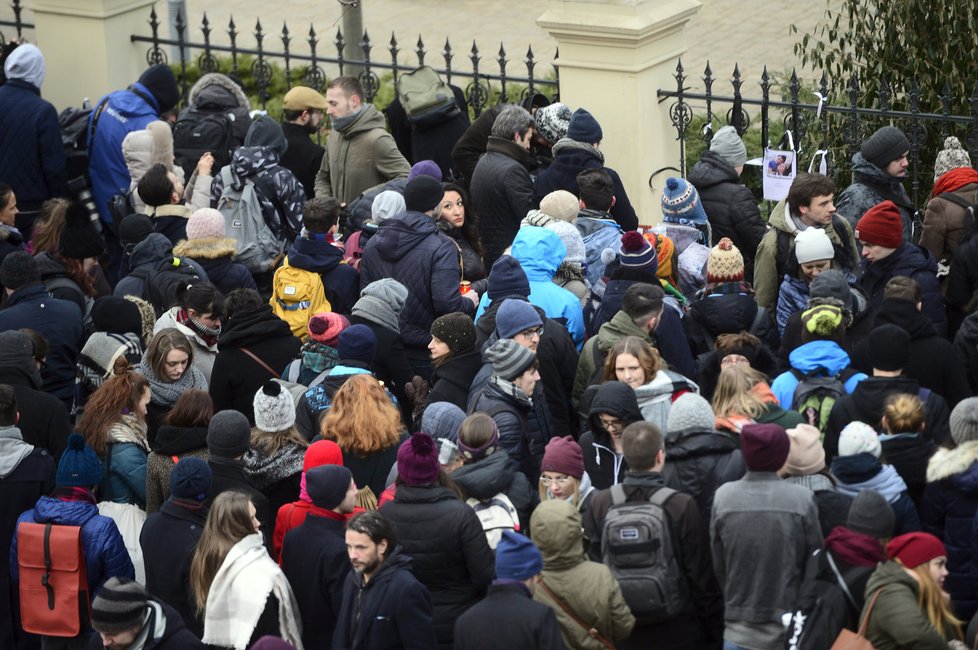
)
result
[(614, 56), (87, 48)]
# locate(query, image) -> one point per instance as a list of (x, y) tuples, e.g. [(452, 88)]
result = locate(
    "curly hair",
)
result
[(362, 419), (118, 395)]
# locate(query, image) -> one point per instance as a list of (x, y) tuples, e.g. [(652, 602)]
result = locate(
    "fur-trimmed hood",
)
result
[(209, 248), (958, 463), (211, 86), (146, 314)]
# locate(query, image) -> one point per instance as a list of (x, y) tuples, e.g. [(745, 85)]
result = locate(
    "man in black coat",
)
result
[(384, 605), (228, 439), (314, 554), (125, 616), (249, 326), (508, 617), (302, 113), (430, 140), (169, 538)]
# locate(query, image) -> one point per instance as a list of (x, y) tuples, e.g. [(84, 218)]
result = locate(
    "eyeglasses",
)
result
[(734, 360), (611, 423), (560, 480), (538, 331)]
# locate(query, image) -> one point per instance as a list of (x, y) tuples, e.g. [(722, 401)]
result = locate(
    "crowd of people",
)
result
[(432, 386)]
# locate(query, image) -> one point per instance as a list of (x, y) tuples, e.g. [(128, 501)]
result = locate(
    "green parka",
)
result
[(896, 620)]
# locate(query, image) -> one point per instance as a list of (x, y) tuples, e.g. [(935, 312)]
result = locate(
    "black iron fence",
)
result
[(13, 29), (827, 118), (479, 90)]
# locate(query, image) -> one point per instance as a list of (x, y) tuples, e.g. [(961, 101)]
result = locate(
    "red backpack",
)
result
[(54, 596)]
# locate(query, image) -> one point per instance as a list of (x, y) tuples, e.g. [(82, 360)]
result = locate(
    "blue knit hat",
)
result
[(517, 558), (515, 316), (681, 203), (358, 343), (80, 465), (191, 479), (507, 279), (584, 128)]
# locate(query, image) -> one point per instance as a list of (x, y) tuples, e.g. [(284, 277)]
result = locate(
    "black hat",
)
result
[(191, 479), (885, 146), (116, 316), (889, 347), (134, 229), (18, 270), (160, 82), (79, 239), (423, 193), (228, 434), (327, 485), (457, 331)]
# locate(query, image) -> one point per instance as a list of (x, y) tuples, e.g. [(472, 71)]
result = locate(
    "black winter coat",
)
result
[(373, 469), (450, 382), (227, 275), (391, 612), (512, 418), (912, 261), (472, 144), (412, 250), (933, 359), (712, 316), (497, 473), (303, 157), (502, 192), (508, 617), (701, 461), (966, 345), (168, 540), (315, 562), (391, 365), (236, 377), (43, 418), (451, 555), (602, 464), (729, 205)]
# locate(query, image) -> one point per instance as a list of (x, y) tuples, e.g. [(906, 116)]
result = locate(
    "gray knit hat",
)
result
[(885, 145), (381, 302), (952, 156), (870, 514), (18, 270), (228, 434), (727, 144), (690, 411), (274, 408), (386, 205), (964, 421), (509, 359), (119, 606)]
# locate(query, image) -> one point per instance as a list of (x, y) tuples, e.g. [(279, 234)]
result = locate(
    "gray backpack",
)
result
[(257, 246), (639, 548)]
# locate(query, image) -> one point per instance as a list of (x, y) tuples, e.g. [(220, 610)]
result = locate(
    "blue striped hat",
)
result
[(681, 203)]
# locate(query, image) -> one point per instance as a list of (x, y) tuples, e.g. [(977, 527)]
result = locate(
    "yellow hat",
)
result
[(303, 98)]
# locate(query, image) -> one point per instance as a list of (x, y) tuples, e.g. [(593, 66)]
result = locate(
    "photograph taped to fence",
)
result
[(779, 171)]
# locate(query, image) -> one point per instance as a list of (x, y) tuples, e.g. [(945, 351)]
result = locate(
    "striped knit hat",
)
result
[(509, 359), (637, 252), (681, 203), (119, 606)]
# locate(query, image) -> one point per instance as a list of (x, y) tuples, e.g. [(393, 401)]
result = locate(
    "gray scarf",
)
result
[(814, 482), (511, 389), (341, 124), (13, 449), (166, 394)]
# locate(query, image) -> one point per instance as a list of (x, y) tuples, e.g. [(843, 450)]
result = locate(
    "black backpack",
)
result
[(787, 263), (160, 284), (825, 605), (196, 133)]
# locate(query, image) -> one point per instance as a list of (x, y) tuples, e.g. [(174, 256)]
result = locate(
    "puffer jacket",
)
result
[(728, 308), (124, 480), (656, 397), (699, 461), (914, 262), (948, 510), (143, 259), (204, 353), (897, 621), (341, 282), (359, 157), (792, 297), (502, 192), (263, 162), (216, 257), (729, 205), (456, 564), (495, 474), (603, 464), (411, 250), (570, 159), (511, 415), (871, 185), (865, 472), (944, 223), (588, 588), (809, 358)]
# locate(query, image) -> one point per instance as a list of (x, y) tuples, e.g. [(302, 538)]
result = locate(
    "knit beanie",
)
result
[(914, 549), (871, 514), (806, 455), (515, 316), (690, 411), (637, 252), (822, 323), (564, 456), (381, 302), (79, 465), (120, 605), (425, 168), (134, 229), (274, 408), (327, 485), (325, 327), (832, 284), (952, 156), (79, 240), (561, 204), (417, 460), (159, 81), (964, 421), (884, 146), (386, 205), (487, 448), (509, 359), (553, 122), (506, 279), (571, 236), (25, 63), (266, 132), (357, 343), (725, 263), (881, 225), (812, 245), (19, 269), (727, 144), (322, 452), (517, 558), (17, 353), (205, 223), (889, 347), (116, 316), (423, 193), (228, 434), (859, 438), (681, 203), (456, 330), (191, 479), (765, 447), (584, 128)]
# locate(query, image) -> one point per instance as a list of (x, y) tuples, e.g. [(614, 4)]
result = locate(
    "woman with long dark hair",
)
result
[(457, 219), (198, 316), (11, 239)]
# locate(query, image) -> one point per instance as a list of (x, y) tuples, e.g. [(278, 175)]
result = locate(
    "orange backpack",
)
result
[(54, 597)]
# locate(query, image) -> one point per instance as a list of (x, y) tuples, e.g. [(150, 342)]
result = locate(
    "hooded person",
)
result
[(613, 408), (813, 254), (207, 244), (217, 93), (945, 218)]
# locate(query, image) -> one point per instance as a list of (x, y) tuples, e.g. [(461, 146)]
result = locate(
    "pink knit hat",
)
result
[(206, 223), (325, 327)]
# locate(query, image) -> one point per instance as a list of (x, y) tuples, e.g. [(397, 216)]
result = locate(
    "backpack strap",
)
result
[(320, 378), (618, 494), (842, 583), (261, 363), (660, 496), (864, 625), (46, 578), (96, 114), (294, 369), (574, 617), (759, 317), (954, 198)]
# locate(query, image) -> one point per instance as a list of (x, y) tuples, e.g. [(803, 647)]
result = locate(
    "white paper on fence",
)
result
[(778, 172), (129, 519)]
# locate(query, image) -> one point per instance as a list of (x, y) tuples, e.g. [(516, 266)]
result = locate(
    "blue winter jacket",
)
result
[(124, 480), (33, 161), (792, 297), (341, 281), (865, 472), (808, 358), (105, 552), (124, 113)]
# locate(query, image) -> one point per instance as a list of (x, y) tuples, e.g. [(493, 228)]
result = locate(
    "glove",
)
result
[(417, 391)]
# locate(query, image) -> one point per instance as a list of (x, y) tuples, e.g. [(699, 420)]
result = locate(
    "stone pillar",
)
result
[(87, 47), (614, 56)]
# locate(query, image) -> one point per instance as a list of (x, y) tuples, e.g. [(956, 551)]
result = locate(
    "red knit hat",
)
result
[(881, 225), (563, 455), (325, 327), (914, 549), (322, 452)]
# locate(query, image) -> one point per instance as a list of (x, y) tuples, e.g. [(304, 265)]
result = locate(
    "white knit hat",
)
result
[(274, 408), (858, 438), (812, 244)]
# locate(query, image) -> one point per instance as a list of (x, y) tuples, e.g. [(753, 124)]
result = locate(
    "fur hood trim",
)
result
[(147, 314), (206, 249), (950, 462), (217, 79)]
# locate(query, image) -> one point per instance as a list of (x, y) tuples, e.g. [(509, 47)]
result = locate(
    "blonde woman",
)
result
[(562, 475), (743, 396)]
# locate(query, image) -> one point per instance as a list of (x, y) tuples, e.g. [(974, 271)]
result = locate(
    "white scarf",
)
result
[(238, 595)]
